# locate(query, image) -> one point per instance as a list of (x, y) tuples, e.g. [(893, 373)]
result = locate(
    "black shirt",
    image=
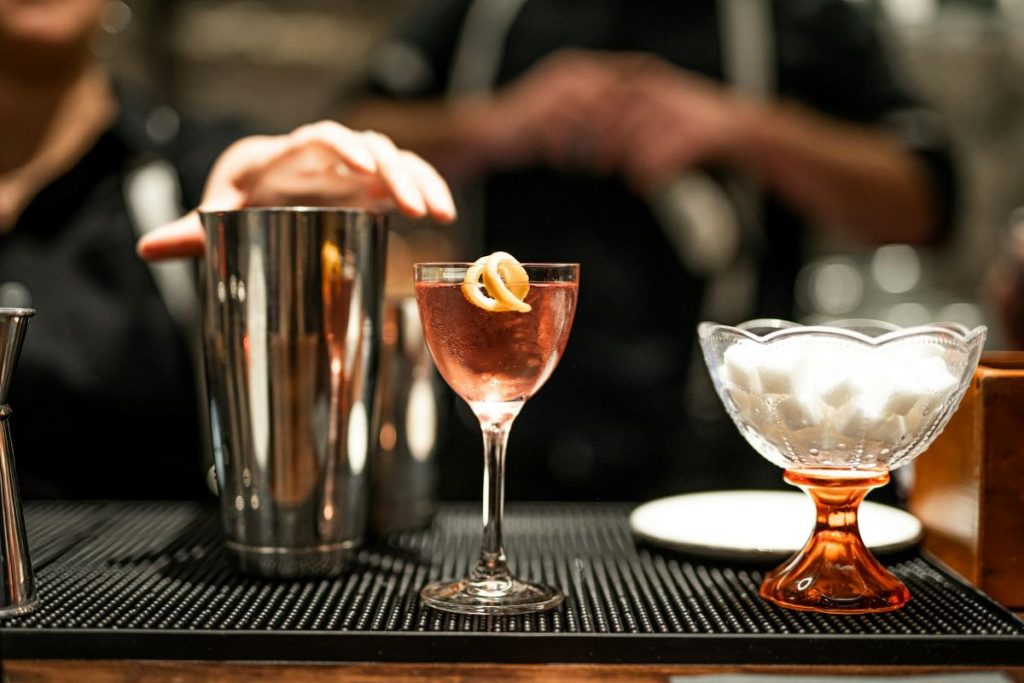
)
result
[(104, 397)]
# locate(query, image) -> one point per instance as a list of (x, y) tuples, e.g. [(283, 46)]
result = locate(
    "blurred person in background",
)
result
[(105, 390), (1005, 285), (667, 147)]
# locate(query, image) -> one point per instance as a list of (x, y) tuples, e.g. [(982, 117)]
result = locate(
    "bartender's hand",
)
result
[(320, 164), (634, 115), (661, 120), (545, 116)]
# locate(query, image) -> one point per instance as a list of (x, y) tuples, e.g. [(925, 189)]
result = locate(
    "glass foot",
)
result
[(490, 597), (835, 572), (815, 582)]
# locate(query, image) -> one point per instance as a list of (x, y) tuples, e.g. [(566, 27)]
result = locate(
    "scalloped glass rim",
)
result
[(845, 329)]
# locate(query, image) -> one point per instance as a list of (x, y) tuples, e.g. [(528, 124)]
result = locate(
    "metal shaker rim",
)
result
[(348, 210), (24, 312), (467, 264)]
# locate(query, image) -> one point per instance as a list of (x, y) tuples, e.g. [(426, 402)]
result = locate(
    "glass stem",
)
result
[(837, 502), (836, 512), (491, 567)]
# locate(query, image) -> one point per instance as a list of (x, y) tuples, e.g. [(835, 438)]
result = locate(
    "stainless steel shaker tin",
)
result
[(291, 334)]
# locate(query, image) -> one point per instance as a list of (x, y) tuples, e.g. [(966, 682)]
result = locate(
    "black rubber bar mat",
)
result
[(152, 581)]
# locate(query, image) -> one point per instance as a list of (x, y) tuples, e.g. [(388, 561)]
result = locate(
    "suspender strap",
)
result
[(748, 45), (481, 44), (748, 58), (153, 195)]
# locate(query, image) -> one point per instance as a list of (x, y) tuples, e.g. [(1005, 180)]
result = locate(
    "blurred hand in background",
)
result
[(660, 120)]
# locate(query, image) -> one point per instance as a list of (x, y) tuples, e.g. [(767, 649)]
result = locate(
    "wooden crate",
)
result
[(968, 486)]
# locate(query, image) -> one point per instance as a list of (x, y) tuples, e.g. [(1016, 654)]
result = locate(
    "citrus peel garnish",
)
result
[(497, 283)]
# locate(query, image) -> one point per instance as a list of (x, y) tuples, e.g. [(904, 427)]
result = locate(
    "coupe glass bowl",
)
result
[(838, 406)]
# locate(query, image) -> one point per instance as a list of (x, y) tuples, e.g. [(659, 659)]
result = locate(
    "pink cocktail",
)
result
[(495, 360)]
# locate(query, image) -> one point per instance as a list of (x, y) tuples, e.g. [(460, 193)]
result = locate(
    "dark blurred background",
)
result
[(273, 65)]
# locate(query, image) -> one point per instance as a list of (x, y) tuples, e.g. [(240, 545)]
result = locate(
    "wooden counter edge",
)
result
[(138, 671)]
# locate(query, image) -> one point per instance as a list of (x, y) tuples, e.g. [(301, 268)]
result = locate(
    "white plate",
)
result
[(758, 524)]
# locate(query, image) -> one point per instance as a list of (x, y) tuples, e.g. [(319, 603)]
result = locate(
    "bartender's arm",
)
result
[(855, 177), (649, 121)]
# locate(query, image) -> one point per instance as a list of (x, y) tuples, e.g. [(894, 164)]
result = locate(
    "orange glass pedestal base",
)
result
[(835, 572)]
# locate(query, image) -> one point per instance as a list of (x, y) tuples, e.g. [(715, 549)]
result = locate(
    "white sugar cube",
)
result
[(934, 376), (856, 419), (891, 430), (836, 389), (780, 370), (740, 400), (838, 373), (741, 367), (924, 411), (751, 408), (908, 353), (830, 440), (899, 390), (799, 412), (900, 401)]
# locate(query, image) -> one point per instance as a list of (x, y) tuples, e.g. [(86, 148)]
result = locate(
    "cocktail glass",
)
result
[(838, 406), (495, 361)]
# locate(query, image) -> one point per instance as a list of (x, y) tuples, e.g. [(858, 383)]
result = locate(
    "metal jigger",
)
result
[(17, 583)]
